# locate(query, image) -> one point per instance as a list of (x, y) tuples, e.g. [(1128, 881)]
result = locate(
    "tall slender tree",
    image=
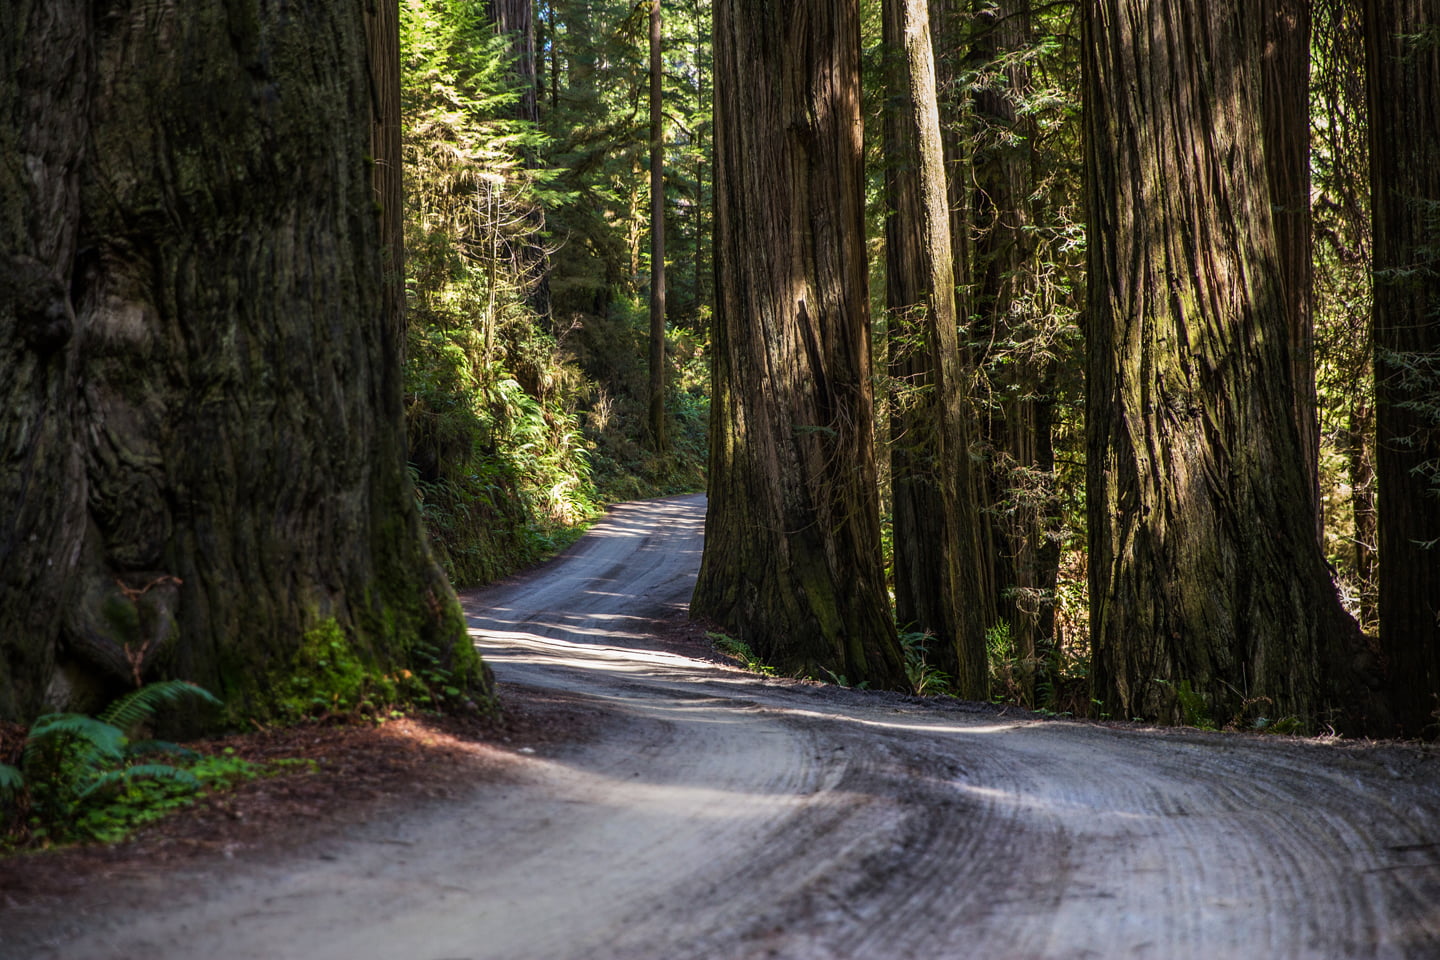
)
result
[(1403, 64), (201, 444), (792, 553), (516, 19), (1018, 443), (938, 557), (1285, 125), (1205, 574), (657, 231)]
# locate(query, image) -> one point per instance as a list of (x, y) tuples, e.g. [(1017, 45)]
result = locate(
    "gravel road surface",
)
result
[(715, 814)]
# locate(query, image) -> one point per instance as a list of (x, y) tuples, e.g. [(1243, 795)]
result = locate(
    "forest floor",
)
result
[(639, 800)]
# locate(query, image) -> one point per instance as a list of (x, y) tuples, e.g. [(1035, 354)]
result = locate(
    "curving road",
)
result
[(717, 815)]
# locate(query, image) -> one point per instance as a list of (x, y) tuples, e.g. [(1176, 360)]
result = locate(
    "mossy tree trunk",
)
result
[(1403, 64), (792, 558), (201, 449), (1204, 566), (938, 557)]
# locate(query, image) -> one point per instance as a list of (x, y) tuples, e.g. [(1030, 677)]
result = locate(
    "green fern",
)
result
[(138, 706), (140, 771), (925, 679), (87, 740), (73, 765), (12, 781)]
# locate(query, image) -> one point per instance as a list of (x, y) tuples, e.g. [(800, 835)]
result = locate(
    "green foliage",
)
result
[(328, 677), (1194, 712), (1004, 662), (12, 781), (925, 679), (83, 778), (741, 651), (496, 449)]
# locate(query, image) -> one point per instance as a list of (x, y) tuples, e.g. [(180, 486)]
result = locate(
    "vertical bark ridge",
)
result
[(938, 558), (1403, 64), (792, 555), (211, 452), (1205, 571)]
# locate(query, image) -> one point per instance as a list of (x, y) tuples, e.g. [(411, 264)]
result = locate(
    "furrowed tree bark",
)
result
[(1205, 571), (1285, 105), (1023, 557), (201, 449), (516, 19), (937, 544), (950, 32), (1403, 64), (657, 234), (792, 559)]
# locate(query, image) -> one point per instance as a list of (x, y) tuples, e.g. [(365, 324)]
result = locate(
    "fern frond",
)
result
[(137, 706), (141, 771), (144, 747), (95, 741), (12, 781)]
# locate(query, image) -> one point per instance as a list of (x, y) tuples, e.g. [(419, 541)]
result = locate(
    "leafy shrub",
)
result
[(85, 778)]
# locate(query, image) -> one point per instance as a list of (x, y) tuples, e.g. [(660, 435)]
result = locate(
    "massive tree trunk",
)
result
[(201, 449), (938, 561), (1403, 62), (1023, 556), (792, 552), (1285, 106), (1205, 571), (656, 419)]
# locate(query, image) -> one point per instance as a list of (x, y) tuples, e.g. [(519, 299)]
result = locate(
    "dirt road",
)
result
[(713, 814)]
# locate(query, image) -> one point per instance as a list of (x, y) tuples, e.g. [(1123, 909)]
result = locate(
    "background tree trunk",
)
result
[(657, 233), (792, 553), (516, 18), (1205, 573), (1017, 414), (201, 451), (938, 560), (1285, 105), (1403, 63)]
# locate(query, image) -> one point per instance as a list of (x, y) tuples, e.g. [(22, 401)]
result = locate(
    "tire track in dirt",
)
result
[(718, 815)]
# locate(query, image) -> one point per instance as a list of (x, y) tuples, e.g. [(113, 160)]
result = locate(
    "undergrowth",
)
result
[(327, 678), (741, 651), (83, 778)]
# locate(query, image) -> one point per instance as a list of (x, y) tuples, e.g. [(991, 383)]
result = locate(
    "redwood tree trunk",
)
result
[(1403, 63), (1205, 570), (201, 445), (516, 18), (1285, 104), (792, 552), (938, 560)]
